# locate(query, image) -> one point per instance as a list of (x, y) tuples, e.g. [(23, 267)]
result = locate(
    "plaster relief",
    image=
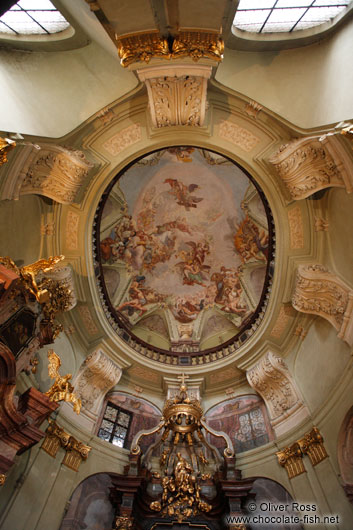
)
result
[(72, 222), (87, 320), (238, 136), (97, 375), (176, 94), (55, 172), (270, 377), (319, 292), (307, 165), (123, 139), (296, 230)]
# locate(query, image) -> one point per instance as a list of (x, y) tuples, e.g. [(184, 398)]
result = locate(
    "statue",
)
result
[(62, 389)]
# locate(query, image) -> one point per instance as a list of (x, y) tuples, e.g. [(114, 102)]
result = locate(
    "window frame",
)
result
[(115, 423), (237, 39)]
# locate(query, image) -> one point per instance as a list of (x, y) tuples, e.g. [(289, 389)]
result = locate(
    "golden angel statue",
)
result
[(61, 390), (29, 272)]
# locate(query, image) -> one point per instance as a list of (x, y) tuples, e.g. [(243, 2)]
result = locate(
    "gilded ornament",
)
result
[(123, 522), (6, 145), (312, 444), (76, 452), (62, 389), (291, 458), (142, 47), (2, 479), (197, 45), (55, 437)]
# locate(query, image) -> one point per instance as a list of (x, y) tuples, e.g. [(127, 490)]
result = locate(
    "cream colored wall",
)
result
[(309, 86), (49, 94)]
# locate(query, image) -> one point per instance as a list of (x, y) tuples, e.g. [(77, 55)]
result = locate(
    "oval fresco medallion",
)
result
[(184, 245)]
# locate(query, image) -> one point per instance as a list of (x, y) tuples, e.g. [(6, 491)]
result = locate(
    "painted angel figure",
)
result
[(62, 389), (182, 193)]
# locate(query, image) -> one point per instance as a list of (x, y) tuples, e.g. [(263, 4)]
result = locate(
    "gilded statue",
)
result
[(28, 274), (62, 389)]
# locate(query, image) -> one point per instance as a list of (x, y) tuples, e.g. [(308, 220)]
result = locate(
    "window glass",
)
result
[(115, 425), (273, 16), (32, 17)]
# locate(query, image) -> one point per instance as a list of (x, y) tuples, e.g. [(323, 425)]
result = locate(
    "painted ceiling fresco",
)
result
[(183, 241)]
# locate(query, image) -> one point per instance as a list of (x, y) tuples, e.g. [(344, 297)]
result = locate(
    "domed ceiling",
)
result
[(184, 247)]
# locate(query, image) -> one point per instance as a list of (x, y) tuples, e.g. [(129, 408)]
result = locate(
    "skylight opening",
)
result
[(32, 17), (275, 16)]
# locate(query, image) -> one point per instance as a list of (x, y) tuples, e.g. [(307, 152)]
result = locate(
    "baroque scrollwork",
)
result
[(312, 444), (198, 44), (177, 100), (56, 172), (142, 47), (272, 380), (307, 166), (319, 292), (96, 377)]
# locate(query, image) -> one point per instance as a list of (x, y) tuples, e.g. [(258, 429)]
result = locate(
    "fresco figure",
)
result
[(182, 193)]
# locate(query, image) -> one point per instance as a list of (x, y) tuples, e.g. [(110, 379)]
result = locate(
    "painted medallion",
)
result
[(184, 249)]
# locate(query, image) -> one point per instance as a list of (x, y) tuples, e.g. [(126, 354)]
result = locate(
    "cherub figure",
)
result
[(62, 389)]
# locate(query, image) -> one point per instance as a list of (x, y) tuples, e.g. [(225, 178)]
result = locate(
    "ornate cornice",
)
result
[(270, 377), (97, 375), (309, 165), (319, 292), (196, 44), (51, 170)]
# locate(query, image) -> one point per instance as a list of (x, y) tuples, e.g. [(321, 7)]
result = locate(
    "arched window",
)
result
[(32, 17), (274, 16)]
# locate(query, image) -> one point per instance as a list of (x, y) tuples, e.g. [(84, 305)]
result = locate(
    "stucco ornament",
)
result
[(319, 292), (97, 375), (51, 170), (270, 377), (177, 95), (308, 165)]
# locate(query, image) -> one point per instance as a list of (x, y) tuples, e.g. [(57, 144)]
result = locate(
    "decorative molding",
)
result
[(291, 458), (53, 171), (197, 45), (97, 375), (282, 321), (2, 479), (47, 229), (308, 165), (312, 444), (123, 139), (321, 225), (238, 136), (142, 47), (144, 373), (270, 377), (176, 94), (296, 229), (319, 292), (72, 223), (87, 319), (252, 108), (300, 332)]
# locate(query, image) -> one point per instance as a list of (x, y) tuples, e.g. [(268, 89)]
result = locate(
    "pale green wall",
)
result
[(309, 86), (49, 94)]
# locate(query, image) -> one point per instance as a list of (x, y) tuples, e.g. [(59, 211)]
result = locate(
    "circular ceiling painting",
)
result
[(184, 243)]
